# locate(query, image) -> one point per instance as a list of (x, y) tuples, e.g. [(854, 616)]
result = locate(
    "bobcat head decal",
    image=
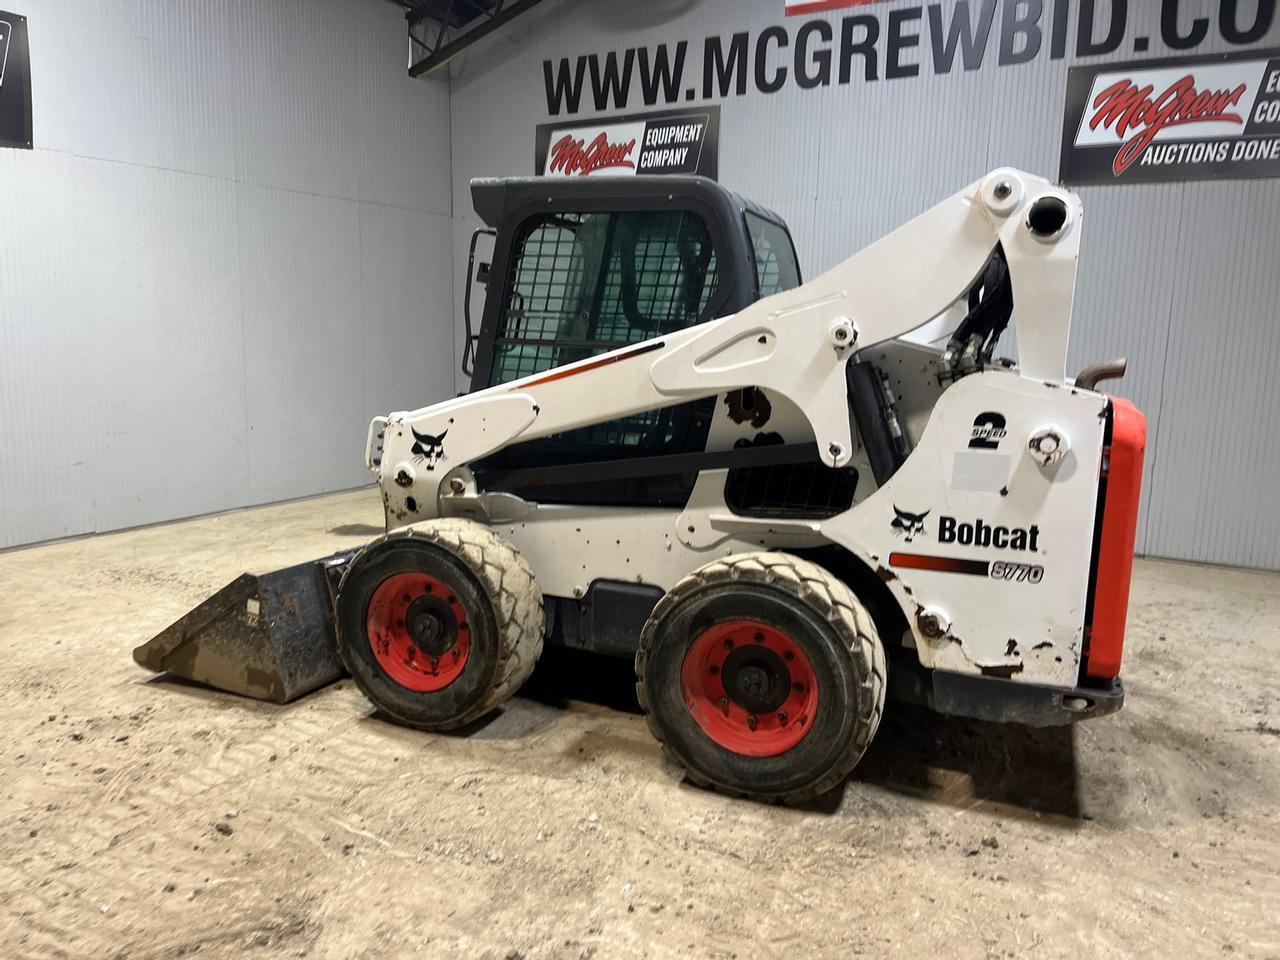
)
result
[(908, 525), (428, 449)]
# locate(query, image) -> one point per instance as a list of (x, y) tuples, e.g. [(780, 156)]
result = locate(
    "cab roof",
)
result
[(496, 198)]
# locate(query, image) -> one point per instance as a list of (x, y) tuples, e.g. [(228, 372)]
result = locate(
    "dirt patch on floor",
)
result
[(151, 819)]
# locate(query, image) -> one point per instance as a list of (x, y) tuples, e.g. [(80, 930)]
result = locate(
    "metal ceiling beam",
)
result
[(433, 52)]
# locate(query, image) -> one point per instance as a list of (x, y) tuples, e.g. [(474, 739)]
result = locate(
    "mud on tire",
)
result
[(476, 596), (724, 668)]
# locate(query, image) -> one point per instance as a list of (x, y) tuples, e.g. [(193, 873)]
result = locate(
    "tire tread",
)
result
[(827, 595), (508, 582)]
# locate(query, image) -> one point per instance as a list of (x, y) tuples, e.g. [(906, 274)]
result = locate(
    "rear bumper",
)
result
[(1011, 701)]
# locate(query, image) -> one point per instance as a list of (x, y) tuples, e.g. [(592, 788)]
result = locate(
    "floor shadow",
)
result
[(358, 530), (960, 761), (182, 685), (563, 674), (215, 695), (516, 719), (916, 752)]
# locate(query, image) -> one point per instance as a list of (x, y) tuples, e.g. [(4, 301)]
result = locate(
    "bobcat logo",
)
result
[(908, 525), (428, 449)]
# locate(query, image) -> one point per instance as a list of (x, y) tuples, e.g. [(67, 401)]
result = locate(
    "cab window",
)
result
[(775, 255), (585, 283)]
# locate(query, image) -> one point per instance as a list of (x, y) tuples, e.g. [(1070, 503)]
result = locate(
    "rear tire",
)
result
[(763, 676), (439, 623)]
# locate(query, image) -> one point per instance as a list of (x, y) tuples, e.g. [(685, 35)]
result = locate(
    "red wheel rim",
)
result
[(750, 688), (418, 630)]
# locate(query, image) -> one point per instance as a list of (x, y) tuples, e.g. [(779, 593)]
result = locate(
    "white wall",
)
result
[(1180, 277), (229, 249)]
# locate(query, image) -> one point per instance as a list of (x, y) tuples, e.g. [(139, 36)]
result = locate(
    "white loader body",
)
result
[(984, 534)]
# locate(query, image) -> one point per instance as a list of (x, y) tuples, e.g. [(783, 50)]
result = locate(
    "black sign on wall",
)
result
[(15, 82), (1181, 118), (665, 141)]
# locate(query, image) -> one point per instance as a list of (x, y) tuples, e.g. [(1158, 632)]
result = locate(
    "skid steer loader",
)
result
[(784, 500)]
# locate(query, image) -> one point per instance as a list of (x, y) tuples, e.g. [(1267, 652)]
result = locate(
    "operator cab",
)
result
[(583, 266)]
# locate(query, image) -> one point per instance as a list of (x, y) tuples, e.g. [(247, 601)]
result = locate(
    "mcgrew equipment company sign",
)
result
[(1190, 118), (668, 141)]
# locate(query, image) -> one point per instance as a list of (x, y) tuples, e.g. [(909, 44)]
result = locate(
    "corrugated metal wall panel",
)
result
[(229, 249), (1218, 453), (39, 359), (151, 83), (403, 156), (161, 414), (407, 262), (296, 95), (303, 341), (1169, 273), (1124, 296)]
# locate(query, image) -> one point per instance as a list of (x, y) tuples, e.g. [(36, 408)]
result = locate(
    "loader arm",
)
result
[(795, 343)]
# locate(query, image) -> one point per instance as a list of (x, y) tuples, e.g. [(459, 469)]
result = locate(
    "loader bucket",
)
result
[(267, 636)]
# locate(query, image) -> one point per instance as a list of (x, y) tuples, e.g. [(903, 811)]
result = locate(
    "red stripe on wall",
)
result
[(817, 6)]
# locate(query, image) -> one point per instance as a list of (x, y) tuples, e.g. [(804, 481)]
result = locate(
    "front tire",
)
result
[(439, 623), (763, 676)]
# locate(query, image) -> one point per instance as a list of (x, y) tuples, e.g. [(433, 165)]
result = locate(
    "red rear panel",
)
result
[(1115, 548)]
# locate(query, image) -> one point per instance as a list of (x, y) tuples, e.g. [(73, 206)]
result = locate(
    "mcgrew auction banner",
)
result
[(1190, 118)]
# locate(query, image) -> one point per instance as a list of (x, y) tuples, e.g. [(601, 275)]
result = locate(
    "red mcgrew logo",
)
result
[(571, 155), (1125, 106)]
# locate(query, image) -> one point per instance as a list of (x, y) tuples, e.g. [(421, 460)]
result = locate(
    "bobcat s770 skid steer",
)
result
[(783, 499)]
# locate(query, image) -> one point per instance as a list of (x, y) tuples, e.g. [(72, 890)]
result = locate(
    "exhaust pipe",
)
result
[(1095, 373)]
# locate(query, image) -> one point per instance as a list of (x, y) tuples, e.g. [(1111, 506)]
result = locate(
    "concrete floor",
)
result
[(144, 818)]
